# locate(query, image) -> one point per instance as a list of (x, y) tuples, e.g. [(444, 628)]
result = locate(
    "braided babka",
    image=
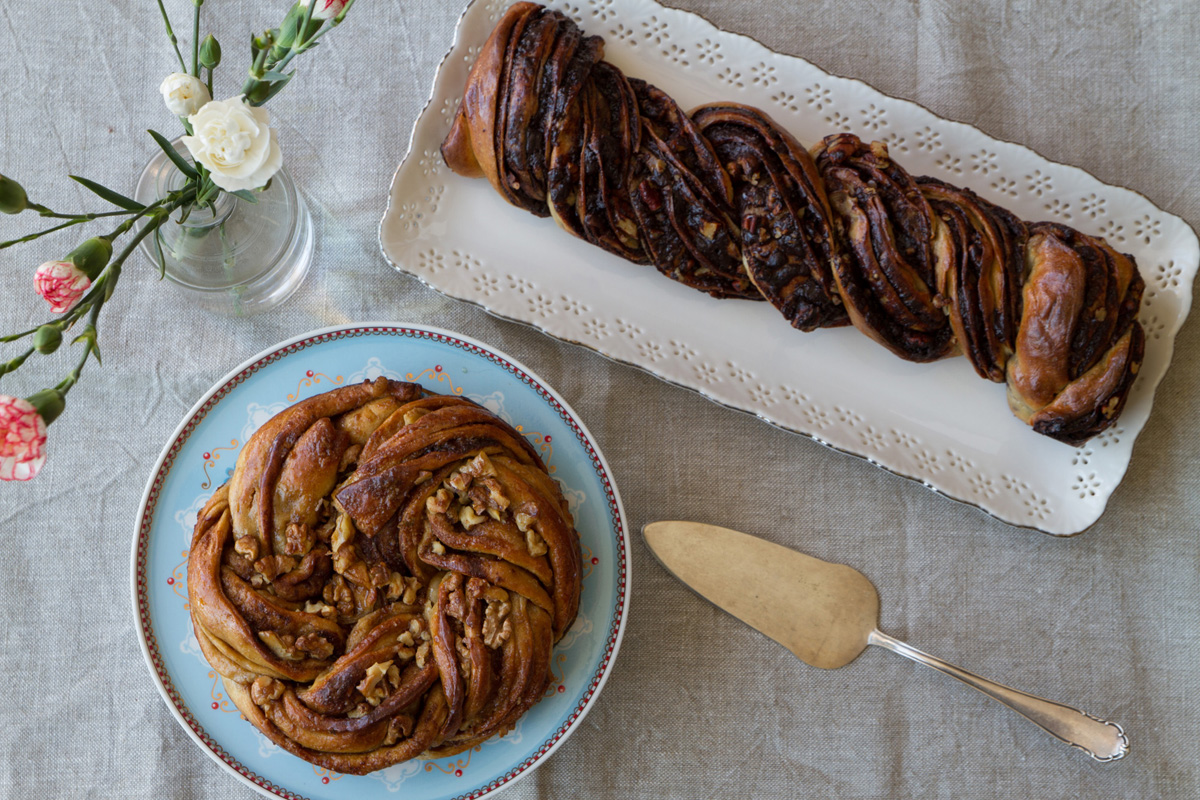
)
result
[(726, 201), (384, 576)]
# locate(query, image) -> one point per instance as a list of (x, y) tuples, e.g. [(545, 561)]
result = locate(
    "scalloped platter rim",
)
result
[(834, 386), (200, 455)]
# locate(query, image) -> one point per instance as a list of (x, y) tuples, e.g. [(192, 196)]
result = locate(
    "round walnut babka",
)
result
[(384, 576)]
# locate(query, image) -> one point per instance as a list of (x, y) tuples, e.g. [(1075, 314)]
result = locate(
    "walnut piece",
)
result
[(468, 518), (495, 493), (399, 727), (402, 588), (460, 480), (338, 593), (300, 539), (247, 546), (535, 543), (439, 502), (380, 575), (373, 687), (496, 625), (343, 534), (315, 645), (271, 567), (265, 690), (320, 609), (464, 657), (283, 645), (422, 655)]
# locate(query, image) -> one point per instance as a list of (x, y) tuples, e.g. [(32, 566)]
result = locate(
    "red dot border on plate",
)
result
[(295, 347)]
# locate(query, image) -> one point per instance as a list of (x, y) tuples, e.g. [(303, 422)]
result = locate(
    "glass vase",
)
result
[(236, 258)]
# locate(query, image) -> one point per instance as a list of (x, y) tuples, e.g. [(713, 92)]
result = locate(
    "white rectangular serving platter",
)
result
[(939, 423)]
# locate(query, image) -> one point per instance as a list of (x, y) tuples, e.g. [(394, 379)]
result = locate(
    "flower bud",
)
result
[(210, 52), (184, 94), (22, 439), (62, 284), (49, 404), (325, 9), (12, 196), (47, 339), (92, 256)]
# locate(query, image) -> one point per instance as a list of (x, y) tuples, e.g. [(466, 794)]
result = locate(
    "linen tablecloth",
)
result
[(697, 705)]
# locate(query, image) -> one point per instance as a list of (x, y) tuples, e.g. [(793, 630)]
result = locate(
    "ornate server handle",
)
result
[(1102, 740)]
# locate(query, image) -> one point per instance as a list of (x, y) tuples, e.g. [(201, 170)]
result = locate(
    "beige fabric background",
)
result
[(697, 706)]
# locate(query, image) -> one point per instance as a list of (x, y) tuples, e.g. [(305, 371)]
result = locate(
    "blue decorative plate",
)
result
[(199, 457)]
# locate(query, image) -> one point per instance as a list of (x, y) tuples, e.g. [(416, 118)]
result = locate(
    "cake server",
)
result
[(827, 614)]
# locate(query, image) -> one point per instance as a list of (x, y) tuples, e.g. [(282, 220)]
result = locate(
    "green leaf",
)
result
[(173, 154), (272, 75), (116, 198), (275, 89), (158, 249), (246, 195)]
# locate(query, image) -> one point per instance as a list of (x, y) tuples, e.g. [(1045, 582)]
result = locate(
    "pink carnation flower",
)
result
[(22, 439), (62, 284)]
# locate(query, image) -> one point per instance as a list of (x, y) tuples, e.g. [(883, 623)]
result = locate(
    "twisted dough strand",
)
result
[(725, 201)]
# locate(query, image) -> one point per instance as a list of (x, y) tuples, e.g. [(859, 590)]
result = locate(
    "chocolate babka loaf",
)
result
[(384, 576), (726, 201)]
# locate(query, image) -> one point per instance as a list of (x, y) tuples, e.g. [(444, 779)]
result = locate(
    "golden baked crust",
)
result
[(384, 576), (1079, 345), (726, 201)]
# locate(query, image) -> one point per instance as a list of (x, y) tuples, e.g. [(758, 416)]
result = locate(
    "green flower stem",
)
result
[(308, 15), (78, 219), (281, 64), (171, 35), (196, 38), (39, 234), (45, 212), (12, 366), (260, 64), (12, 337), (103, 289), (89, 346), (104, 282)]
